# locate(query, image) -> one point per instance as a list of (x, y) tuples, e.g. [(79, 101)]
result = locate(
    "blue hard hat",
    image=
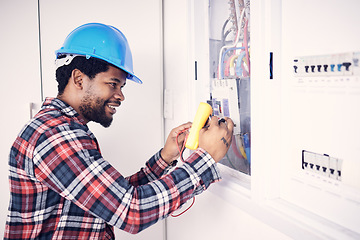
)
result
[(100, 41)]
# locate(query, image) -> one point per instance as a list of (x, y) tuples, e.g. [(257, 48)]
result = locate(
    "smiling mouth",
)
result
[(113, 108), (112, 105)]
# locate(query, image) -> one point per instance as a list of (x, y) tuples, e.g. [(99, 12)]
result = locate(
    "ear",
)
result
[(77, 78)]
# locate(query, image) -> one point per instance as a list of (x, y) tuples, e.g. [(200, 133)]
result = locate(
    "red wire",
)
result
[(185, 209), (183, 147), (235, 148), (182, 159), (246, 44)]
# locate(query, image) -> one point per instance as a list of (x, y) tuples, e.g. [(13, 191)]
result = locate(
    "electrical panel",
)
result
[(325, 93), (229, 61)]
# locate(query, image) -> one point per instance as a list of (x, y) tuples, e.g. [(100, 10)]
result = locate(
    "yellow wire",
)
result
[(241, 147), (242, 150), (232, 60)]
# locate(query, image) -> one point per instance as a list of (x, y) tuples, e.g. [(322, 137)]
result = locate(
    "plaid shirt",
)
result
[(62, 188)]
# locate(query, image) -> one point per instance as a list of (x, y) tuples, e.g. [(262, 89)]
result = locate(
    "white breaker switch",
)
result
[(225, 101), (322, 165)]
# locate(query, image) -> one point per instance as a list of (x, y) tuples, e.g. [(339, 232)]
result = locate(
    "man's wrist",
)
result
[(169, 161)]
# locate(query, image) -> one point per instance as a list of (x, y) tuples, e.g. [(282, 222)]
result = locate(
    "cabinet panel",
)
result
[(320, 109), (20, 83), (316, 206)]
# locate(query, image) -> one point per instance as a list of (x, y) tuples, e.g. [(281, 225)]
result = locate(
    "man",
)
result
[(61, 186)]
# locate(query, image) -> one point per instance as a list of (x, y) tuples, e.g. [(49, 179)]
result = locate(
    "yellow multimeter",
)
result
[(202, 115)]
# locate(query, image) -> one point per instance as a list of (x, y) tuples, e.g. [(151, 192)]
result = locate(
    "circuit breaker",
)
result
[(225, 101), (326, 88)]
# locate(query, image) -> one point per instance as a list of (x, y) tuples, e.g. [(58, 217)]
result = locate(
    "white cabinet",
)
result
[(283, 196), (320, 109), (20, 81)]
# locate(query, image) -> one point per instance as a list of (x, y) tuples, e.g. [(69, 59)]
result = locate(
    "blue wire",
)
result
[(247, 147), (238, 64)]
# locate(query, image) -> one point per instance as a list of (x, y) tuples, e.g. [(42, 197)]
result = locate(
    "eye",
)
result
[(113, 85)]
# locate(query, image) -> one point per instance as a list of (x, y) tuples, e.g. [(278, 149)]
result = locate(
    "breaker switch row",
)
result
[(324, 68), (327, 65), (322, 164)]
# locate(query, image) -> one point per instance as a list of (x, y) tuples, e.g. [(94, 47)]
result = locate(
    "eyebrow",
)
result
[(117, 80)]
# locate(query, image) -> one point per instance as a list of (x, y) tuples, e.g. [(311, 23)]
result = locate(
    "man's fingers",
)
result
[(181, 128), (229, 124), (214, 121), (184, 126)]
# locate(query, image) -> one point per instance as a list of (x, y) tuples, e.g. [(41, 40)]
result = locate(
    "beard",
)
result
[(93, 109)]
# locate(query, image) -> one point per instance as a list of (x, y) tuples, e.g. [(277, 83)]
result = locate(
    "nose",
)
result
[(119, 95)]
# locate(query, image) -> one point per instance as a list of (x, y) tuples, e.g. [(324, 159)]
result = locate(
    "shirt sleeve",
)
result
[(67, 160), (154, 168)]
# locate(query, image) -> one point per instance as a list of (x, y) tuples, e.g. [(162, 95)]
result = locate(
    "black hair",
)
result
[(90, 67)]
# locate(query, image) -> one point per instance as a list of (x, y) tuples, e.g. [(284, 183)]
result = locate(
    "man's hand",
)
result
[(216, 138), (170, 152)]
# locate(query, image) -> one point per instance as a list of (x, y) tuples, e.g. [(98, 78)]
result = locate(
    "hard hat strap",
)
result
[(65, 59)]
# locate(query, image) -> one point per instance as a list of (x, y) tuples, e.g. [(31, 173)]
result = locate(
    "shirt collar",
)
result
[(63, 107)]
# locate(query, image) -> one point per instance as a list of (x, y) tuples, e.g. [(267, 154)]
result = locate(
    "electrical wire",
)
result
[(177, 215), (181, 151), (223, 57), (227, 67), (235, 148), (232, 165), (241, 146), (245, 69), (239, 63), (224, 35), (232, 65), (236, 69), (230, 46), (246, 45), (247, 146)]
